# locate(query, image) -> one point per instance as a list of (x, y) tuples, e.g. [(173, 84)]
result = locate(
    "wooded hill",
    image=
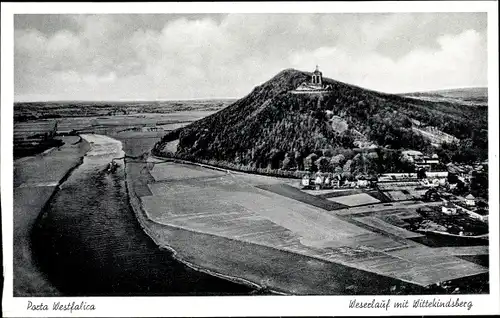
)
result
[(272, 127)]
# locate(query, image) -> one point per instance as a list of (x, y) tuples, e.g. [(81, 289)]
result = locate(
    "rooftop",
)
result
[(317, 71)]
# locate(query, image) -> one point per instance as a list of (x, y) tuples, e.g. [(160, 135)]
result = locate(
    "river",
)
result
[(88, 241)]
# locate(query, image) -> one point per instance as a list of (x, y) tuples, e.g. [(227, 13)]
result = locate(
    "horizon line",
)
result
[(231, 98), (443, 89), (126, 100)]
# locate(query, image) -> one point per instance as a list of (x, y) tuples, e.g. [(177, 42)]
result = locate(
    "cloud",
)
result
[(460, 61), (173, 56)]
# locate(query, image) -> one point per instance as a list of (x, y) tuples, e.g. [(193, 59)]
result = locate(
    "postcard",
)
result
[(250, 159)]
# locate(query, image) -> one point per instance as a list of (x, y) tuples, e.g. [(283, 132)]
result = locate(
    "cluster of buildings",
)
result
[(321, 180), (421, 161), (466, 206), (436, 178), (433, 186), (464, 172)]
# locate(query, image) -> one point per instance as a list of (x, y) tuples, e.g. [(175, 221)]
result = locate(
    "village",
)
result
[(448, 207)]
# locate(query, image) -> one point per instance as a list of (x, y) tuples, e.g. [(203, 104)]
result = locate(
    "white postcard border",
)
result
[(241, 305)]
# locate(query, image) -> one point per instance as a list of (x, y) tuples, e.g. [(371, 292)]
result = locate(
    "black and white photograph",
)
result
[(250, 155)]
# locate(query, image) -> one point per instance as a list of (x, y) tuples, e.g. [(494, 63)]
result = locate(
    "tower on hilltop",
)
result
[(317, 77), (316, 84)]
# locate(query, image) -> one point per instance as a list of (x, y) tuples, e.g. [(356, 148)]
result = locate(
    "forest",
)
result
[(275, 129)]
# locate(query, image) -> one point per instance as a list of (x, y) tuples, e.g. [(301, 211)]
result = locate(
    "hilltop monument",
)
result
[(316, 84), (317, 77)]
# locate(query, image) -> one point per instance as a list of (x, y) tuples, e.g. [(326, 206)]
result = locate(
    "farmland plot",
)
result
[(172, 171), (386, 227), (301, 196), (355, 199), (284, 218), (400, 185), (340, 193), (398, 196)]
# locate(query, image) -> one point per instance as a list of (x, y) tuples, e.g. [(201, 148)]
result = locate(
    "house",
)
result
[(427, 162), (413, 154), (449, 208), (362, 183), (470, 200), (436, 174), (397, 176), (434, 183), (319, 181), (334, 180), (306, 181)]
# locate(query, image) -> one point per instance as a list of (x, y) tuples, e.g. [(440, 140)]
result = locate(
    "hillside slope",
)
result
[(271, 127)]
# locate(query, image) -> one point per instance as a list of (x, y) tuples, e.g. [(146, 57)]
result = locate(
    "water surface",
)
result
[(88, 241)]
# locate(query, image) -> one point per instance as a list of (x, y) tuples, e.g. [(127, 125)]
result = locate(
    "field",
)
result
[(124, 127), (402, 190), (294, 193), (355, 199), (338, 193), (281, 217), (64, 109), (351, 197), (477, 96), (267, 267), (118, 123), (379, 224)]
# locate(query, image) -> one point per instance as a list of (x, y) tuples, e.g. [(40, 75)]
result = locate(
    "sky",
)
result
[(174, 56)]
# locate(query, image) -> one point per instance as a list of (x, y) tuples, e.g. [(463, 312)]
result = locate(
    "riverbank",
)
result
[(91, 244), (148, 227), (36, 180), (137, 178)]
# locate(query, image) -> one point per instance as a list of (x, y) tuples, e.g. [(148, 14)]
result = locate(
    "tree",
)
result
[(338, 160), (309, 162), (328, 152), (298, 160), (407, 164), (421, 174), (357, 164), (347, 170), (323, 164), (479, 184), (287, 163), (275, 158)]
